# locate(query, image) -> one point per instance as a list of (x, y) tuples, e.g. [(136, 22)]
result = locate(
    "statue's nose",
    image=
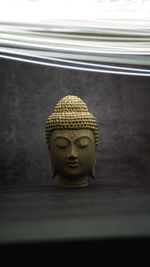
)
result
[(72, 153)]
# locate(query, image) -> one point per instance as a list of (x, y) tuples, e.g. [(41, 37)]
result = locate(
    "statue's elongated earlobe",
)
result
[(53, 171), (92, 172)]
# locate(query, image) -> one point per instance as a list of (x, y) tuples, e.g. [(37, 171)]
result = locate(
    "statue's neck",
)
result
[(74, 183)]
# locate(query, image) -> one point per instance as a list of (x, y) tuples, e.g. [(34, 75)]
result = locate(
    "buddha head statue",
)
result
[(72, 138)]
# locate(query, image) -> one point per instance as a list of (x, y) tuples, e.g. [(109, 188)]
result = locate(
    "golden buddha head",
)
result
[(72, 138)]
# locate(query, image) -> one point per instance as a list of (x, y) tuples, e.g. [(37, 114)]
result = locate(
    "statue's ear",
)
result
[(53, 171), (92, 172)]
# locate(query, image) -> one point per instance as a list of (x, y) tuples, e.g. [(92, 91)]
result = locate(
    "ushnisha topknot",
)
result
[(71, 113)]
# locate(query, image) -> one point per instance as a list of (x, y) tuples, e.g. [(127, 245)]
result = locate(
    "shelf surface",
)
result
[(49, 213)]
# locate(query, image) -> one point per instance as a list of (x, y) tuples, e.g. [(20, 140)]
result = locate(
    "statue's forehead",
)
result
[(72, 134)]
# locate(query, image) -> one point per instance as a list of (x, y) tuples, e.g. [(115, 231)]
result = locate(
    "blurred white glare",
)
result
[(45, 10), (78, 34)]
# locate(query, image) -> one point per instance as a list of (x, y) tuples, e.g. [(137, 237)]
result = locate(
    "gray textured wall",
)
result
[(28, 94)]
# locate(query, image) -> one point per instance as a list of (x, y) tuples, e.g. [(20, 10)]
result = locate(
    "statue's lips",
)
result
[(73, 164)]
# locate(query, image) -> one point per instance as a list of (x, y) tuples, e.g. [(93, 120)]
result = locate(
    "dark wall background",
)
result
[(28, 94)]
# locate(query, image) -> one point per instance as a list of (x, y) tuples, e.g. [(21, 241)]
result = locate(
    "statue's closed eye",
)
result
[(61, 143), (83, 142)]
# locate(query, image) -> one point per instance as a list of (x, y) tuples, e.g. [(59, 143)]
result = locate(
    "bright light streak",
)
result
[(74, 67), (85, 30)]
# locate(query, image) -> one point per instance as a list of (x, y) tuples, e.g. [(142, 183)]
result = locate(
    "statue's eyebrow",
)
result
[(83, 137), (62, 137)]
